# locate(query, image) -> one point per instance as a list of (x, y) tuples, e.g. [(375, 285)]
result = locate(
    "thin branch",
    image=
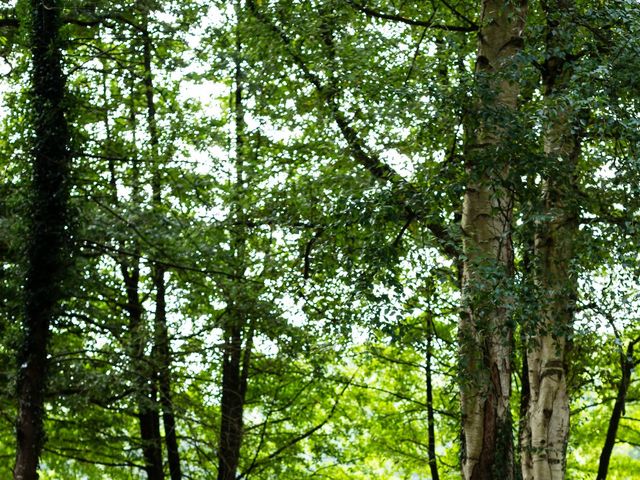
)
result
[(462, 17), (303, 435), (92, 462), (415, 54), (113, 251), (307, 253), (413, 22), (398, 239)]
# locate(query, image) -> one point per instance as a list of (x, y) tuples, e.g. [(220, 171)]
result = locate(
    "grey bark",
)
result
[(544, 441), (485, 334)]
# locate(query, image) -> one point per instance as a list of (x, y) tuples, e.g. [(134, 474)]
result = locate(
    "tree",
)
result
[(485, 328), (544, 454), (47, 258), (283, 212)]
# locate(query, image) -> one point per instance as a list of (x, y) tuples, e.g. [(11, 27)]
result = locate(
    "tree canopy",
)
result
[(345, 239)]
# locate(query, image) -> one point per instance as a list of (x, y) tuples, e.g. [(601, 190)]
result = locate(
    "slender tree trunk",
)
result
[(236, 360), (144, 368), (626, 366), (47, 236), (548, 414), (232, 406), (433, 461), (164, 377), (524, 434), (131, 275), (485, 333), (162, 348), (147, 414)]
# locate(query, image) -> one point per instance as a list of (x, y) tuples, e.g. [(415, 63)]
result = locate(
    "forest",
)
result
[(319, 239)]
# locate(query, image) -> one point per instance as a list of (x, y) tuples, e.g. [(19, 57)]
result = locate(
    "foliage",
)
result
[(331, 228)]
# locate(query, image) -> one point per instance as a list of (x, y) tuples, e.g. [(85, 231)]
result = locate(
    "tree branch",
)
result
[(413, 22), (9, 22), (302, 436), (369, 160)]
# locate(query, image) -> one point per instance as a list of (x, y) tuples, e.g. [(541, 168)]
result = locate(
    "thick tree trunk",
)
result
[(626, 366), (485, 334), (46, 242), (548, 414)]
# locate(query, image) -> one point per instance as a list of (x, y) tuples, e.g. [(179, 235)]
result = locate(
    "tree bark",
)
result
[(46, 263), (163, 358), (524, 432), (232, 406), (525, 389), (548, 414), (485, 333)]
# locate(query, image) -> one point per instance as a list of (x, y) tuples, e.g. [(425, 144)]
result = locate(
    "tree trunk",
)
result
[(148, 418), (626, 366), (162, 347), (144, 368), (46, 263), (548, 414), (236, 360), (524, 435), (163, 358), (524, 432), (433, 461), (232, 406), (485, 333)]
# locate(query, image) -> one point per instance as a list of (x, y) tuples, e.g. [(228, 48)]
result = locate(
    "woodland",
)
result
[(324, 239)]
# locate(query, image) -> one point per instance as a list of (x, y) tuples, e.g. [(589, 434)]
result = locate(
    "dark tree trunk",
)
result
[(626, 365), (232, 405), (143, 368), (48, 222), (162, 348), (150, 433), (163, 357), (433, 462), (148, 417), (235, 360)]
